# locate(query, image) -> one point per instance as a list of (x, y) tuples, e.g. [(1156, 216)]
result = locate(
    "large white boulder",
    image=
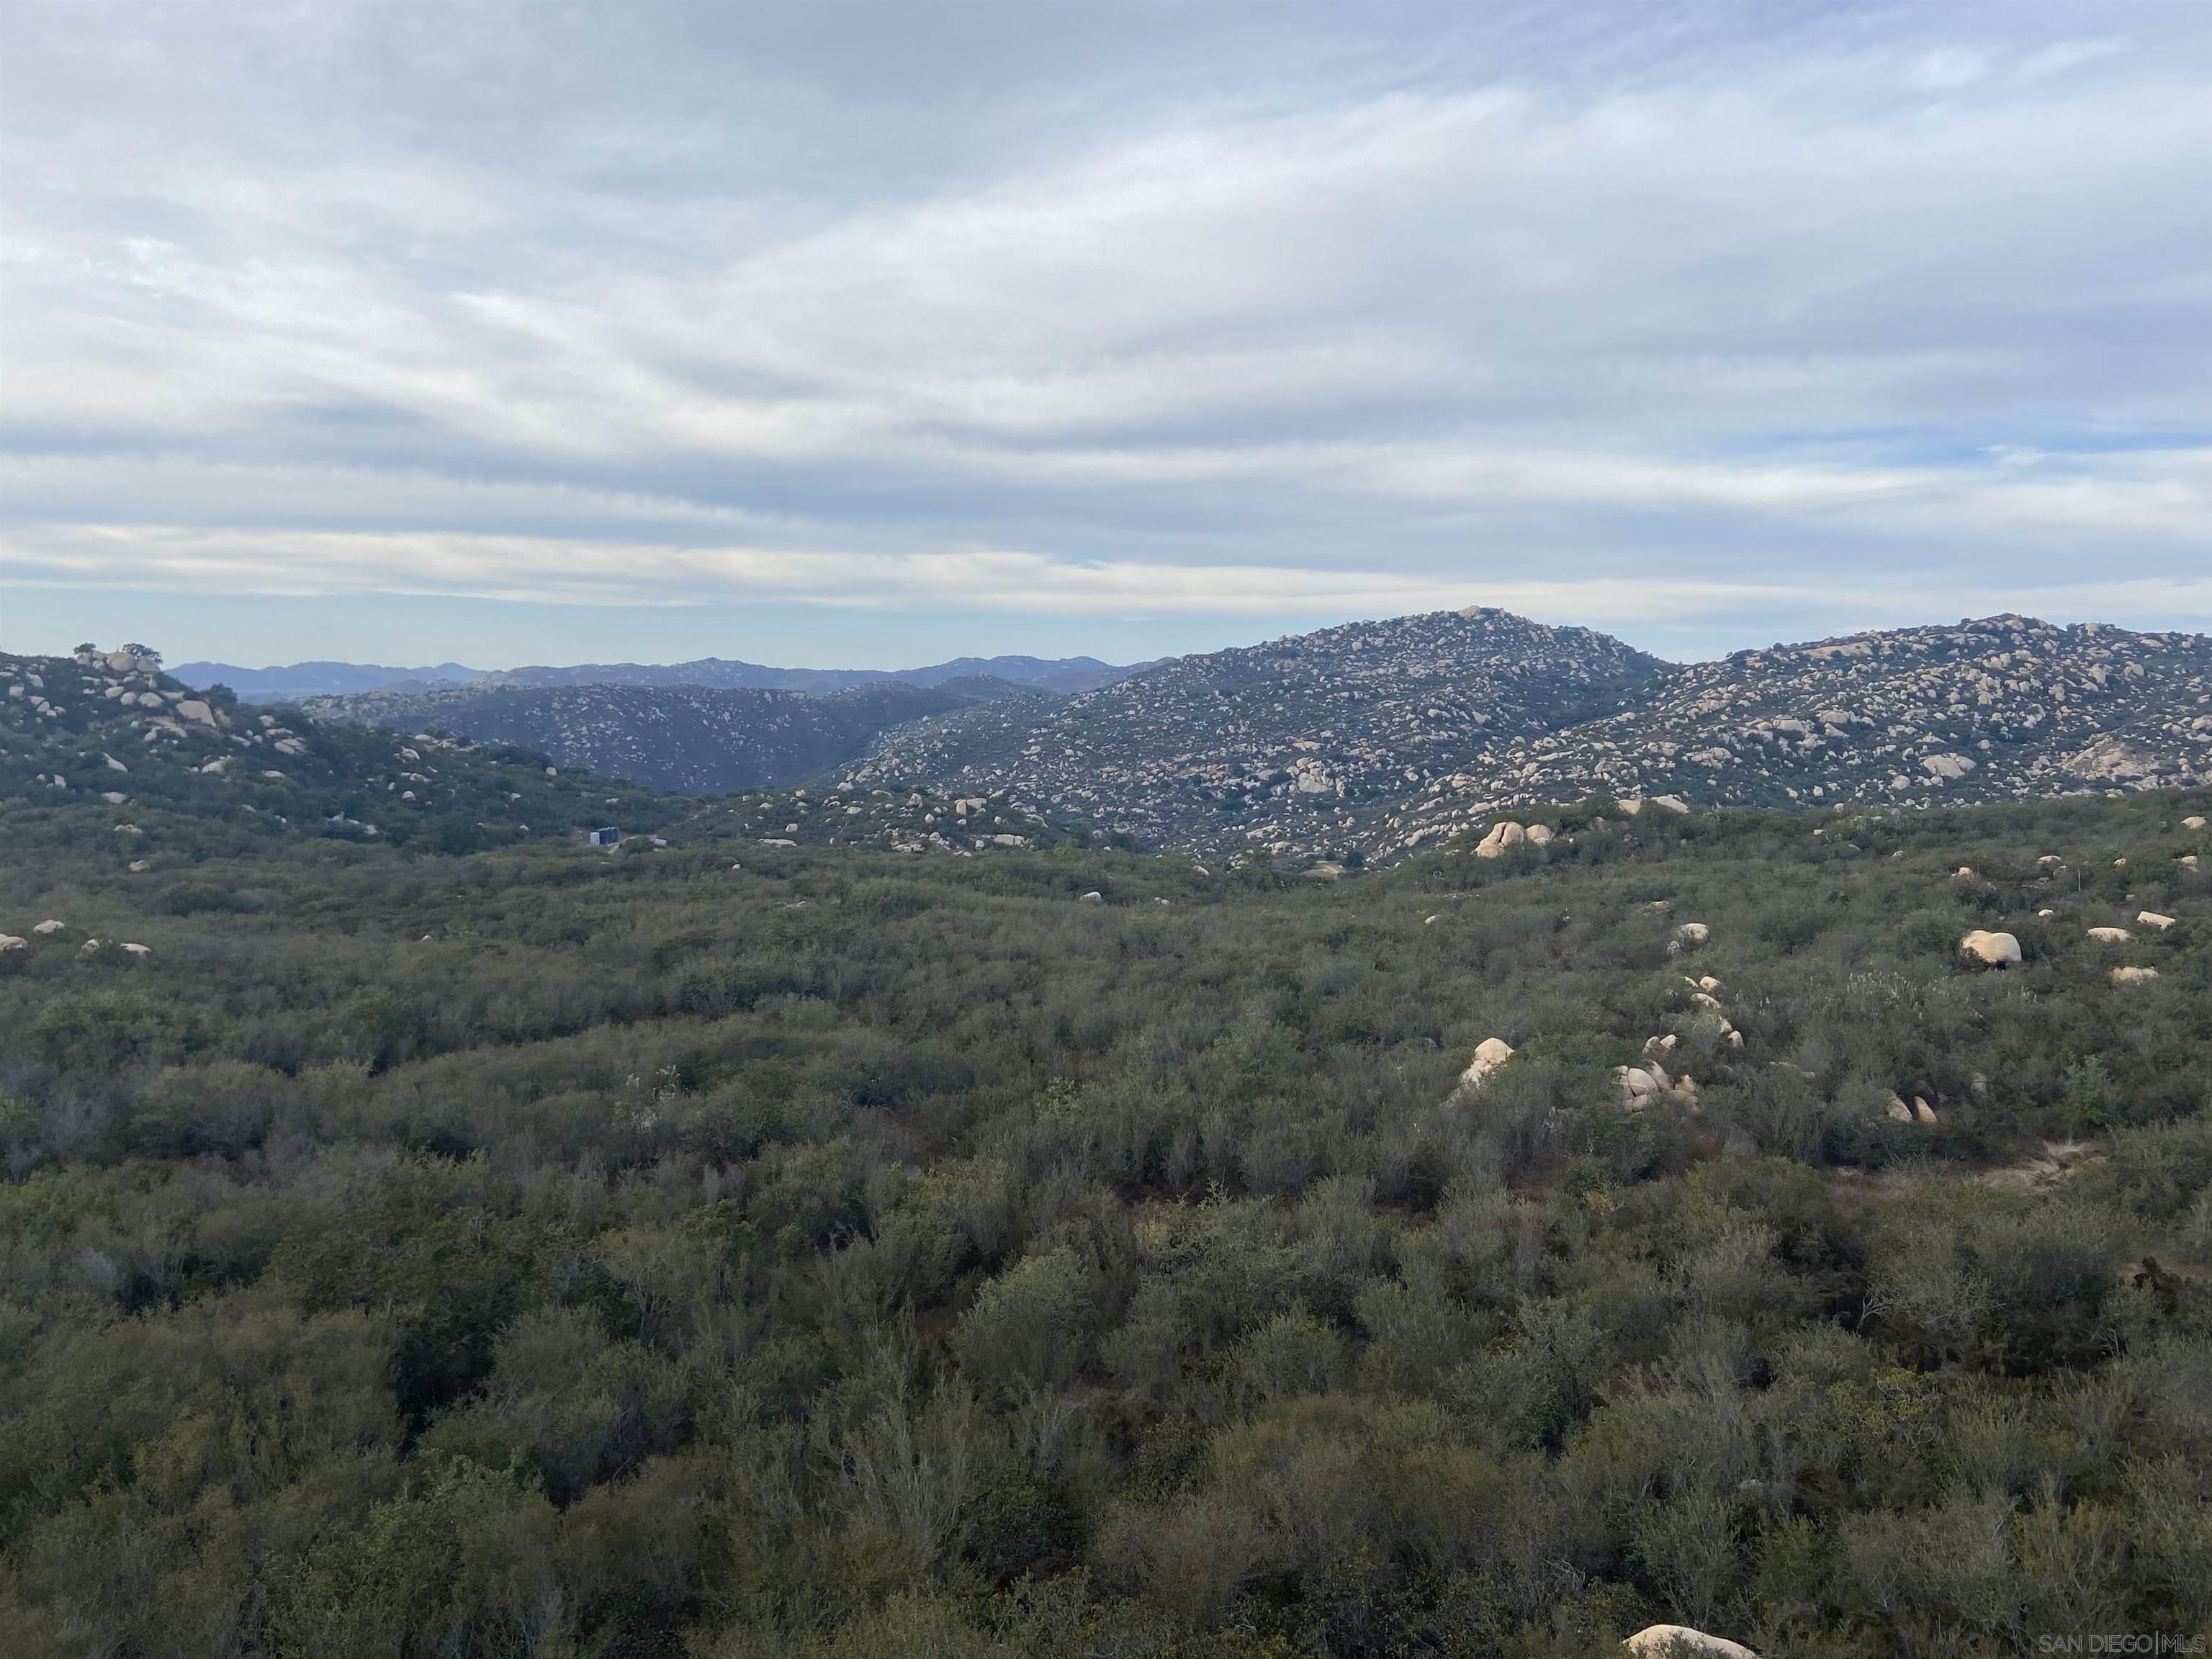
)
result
[(9, 942), (1681, 1642), (49, 926), (2194, 821), (1504, 836), (2111, 935), (2152, 918), (1692, 933), (2133, 975), (1490, 1053), (1994, 950), (1540, 835)]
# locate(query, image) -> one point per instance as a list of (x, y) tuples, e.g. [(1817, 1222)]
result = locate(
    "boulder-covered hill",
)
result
[(104, 752), (2002, 708), (692, 737), (1299, 746), (130, 747)]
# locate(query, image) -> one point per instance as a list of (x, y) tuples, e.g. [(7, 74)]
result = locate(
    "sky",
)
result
[(844, 335)]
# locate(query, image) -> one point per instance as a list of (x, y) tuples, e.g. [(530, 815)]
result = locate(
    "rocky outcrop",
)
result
[(1503, 838), (1490, 1053), (1681, 1642)]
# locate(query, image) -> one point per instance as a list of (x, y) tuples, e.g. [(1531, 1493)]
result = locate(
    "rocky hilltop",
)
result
[(1305, 744), (698, 739), (1997, 710), (1378, 738)]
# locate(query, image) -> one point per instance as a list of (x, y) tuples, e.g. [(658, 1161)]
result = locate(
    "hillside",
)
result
[(1295, 745), (690, 738), (106, 750), (2001, 710), (1045, 1255), (116, 739), (1375, 739)]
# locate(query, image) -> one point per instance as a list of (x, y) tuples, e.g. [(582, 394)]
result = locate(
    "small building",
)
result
[(606, 837)]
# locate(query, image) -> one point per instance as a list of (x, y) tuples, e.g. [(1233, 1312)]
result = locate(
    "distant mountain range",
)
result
[(311, 680), (1378, 738), (704, 739), (1063, 675)]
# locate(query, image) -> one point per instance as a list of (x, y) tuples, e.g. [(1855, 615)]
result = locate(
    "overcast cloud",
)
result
[(843, 335)]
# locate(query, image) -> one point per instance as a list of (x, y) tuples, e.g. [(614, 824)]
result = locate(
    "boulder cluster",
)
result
[(1505, 835)]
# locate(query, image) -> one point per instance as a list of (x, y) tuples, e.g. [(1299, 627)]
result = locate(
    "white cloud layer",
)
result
[(1254, 313)]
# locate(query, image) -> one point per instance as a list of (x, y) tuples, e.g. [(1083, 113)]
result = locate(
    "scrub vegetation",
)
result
[(539, 1250)]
